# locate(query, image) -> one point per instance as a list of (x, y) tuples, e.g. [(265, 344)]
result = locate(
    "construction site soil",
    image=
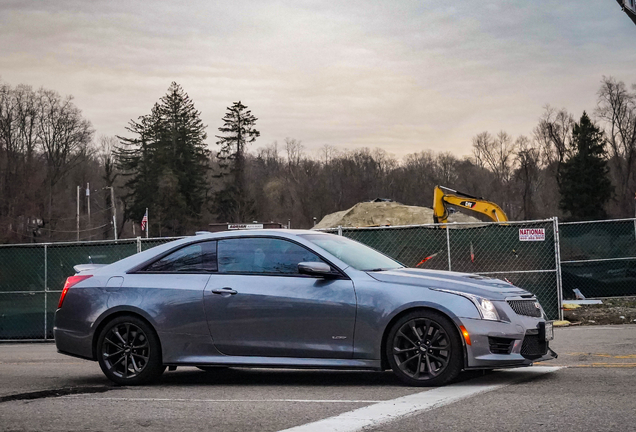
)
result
[(373, 214), (618, 310)]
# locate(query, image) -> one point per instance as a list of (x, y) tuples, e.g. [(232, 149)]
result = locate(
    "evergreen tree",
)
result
[(232, 203), (584, 183), (166, 163)]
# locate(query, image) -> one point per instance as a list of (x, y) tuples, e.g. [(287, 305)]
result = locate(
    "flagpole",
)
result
[(147, 223)]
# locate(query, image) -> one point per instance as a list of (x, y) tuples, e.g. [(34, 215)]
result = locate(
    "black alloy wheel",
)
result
[(129, 351), (424, 349)]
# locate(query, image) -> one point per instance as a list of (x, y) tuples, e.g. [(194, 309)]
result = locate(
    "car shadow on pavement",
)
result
[(277, 377), (290, 377)]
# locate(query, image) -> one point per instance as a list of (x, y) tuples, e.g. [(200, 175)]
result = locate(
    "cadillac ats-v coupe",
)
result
[(296, 299)]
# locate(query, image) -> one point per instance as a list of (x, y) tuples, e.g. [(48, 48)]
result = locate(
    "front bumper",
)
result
[(499, 344)]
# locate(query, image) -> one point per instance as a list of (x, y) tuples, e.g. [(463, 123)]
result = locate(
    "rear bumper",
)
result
[(73, 343)]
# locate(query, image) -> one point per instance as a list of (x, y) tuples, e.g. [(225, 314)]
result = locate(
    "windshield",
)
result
[(357, 255)]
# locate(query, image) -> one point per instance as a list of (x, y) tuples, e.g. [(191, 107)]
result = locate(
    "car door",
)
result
[(171, 287), (257, 304)]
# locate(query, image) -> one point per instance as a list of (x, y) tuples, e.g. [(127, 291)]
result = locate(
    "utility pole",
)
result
[(88, 206), (114, 208), (77, 214)]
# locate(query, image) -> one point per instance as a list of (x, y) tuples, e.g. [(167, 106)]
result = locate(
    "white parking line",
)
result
[(390, 410)]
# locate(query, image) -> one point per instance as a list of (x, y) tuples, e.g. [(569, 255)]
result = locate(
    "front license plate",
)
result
[(549, 331)]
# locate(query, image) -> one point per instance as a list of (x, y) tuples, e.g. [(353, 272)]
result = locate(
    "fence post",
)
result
[(340, 230), (46, 289), (557, 262), (138, 244), (448, 247)]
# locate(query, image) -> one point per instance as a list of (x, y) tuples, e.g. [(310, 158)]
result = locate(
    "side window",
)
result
[(195, 258), (262, 255)]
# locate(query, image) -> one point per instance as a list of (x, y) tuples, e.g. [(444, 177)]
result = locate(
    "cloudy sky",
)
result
[(402, 75)]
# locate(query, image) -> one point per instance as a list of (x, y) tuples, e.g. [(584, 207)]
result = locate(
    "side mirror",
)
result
[(315, 269)]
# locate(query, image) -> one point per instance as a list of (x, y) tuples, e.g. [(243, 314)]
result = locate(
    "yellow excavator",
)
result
[(441, 199)]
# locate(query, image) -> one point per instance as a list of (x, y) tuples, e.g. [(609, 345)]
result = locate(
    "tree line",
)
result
[(575, 167)]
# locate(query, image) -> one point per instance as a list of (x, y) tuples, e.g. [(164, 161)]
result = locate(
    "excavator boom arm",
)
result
[(465, 201)]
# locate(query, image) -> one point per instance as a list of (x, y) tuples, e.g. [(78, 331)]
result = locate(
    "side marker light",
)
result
[(465, 334)]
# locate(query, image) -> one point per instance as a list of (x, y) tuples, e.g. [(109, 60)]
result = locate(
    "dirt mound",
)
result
[(369, 214)]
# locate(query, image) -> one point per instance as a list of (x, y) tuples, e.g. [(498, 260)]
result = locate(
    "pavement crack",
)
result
[(66, 391)]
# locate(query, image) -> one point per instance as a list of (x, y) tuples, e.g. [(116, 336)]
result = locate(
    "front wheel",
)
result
[(424, 349), (129, 352)]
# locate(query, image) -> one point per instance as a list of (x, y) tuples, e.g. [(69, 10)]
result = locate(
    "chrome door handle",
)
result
[(224, 291)]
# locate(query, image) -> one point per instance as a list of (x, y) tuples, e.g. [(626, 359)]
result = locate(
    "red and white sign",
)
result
[(531, 234)]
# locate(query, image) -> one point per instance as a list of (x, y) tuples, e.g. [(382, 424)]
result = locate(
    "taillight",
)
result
[(70, 281)]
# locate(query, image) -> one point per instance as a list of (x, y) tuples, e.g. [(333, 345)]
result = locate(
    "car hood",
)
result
[(493, 289)]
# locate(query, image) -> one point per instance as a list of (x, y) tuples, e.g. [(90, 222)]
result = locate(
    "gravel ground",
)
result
[(613, 311)]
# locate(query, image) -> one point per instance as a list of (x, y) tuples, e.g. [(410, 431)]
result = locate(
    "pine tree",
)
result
[(166, 164), (584, 183), (232, 203)]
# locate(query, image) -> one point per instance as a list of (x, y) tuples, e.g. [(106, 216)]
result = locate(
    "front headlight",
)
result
[(485, 307)]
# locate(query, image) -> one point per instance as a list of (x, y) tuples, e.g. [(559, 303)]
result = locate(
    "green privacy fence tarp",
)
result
[(32, 276), (500, 251), (599, 258)]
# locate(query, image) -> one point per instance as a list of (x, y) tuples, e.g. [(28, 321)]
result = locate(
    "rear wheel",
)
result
[(424, 349), (129, 352)]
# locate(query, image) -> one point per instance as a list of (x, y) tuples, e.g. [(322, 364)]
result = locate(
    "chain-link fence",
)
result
[(599, 258), (525, 253), (32, 277), (544, 257)]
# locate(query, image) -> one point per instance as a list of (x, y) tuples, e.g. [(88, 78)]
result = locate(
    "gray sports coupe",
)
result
[(296, 299)]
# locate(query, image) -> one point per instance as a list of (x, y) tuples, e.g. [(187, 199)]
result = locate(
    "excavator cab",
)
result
[(443, 196)]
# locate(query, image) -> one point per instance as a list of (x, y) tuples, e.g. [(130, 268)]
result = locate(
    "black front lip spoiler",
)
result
[(551, 355)]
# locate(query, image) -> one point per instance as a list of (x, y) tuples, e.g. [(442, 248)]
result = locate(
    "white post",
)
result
[(112, 201), (557, 259), (147, 223), (46, 289), (77, 214), (88, 204), (448, 247)]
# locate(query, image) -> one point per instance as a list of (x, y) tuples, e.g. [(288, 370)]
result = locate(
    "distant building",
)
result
[(629, 7)]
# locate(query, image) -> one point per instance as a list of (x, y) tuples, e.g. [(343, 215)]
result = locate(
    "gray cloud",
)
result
[(401, 75)]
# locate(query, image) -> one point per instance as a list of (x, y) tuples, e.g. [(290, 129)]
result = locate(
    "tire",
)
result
[(129, 352), (423, 349)]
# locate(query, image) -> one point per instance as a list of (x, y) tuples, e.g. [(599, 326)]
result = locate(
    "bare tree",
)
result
[(528, 174), (295, 152), (63, 136), (617, 109), (495, 154), (554, 135)]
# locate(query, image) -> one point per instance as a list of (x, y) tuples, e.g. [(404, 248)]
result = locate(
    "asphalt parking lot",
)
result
[(589, 387)]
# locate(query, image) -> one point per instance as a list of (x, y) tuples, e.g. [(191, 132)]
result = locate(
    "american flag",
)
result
[(144, 221)]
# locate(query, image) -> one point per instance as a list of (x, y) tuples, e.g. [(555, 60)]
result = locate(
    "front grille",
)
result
[(533, 347), (500, 345), (525, 307)]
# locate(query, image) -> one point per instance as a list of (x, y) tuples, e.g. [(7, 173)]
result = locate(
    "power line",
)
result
[(62, 219), (74, 231)]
